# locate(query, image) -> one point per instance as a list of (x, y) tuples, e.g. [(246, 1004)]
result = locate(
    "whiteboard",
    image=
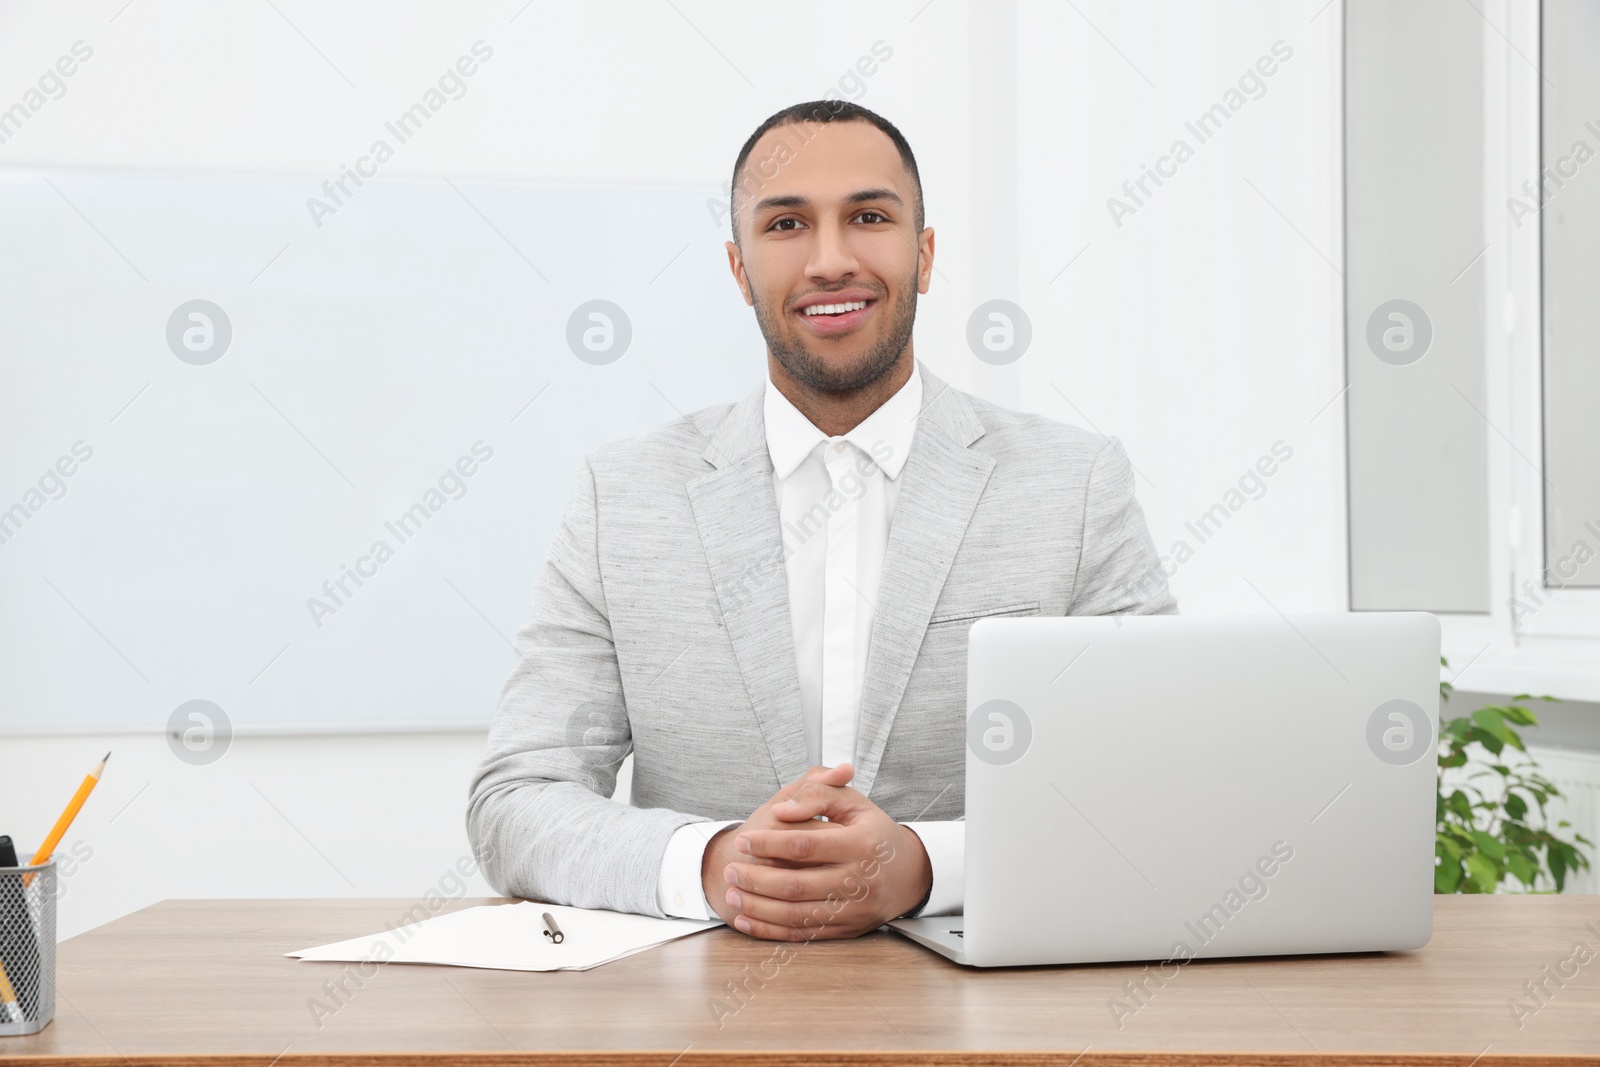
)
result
[(171, 509)]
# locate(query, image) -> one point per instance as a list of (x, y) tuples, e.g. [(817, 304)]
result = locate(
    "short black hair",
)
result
[(825, 111)]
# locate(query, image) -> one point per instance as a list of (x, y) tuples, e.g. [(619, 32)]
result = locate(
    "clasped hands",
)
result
[(786, 875)]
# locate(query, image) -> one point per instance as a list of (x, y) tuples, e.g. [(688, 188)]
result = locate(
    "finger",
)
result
[(779, 932), (805, 914), (791, 883), (765, 820), (827, 844), (727, 852)]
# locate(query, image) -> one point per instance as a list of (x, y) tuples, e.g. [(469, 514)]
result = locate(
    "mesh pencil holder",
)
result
[(27, 948)]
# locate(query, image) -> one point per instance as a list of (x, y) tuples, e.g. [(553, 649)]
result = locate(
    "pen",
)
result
[(8, 852), (551, 930)]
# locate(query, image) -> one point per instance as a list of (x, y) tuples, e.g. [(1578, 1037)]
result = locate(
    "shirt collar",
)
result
[(791, 437)]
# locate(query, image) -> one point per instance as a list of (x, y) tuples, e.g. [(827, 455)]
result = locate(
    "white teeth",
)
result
[(835, 309)]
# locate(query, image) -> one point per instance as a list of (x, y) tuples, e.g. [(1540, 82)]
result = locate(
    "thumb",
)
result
[(824, 795), (838, 775)]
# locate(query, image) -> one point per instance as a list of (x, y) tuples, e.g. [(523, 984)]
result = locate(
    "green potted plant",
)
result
[(1492, 825)]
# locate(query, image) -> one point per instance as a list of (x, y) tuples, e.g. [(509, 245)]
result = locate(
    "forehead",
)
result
[(823, 162)]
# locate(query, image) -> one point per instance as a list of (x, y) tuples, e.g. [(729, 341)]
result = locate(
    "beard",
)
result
[(813, 372)]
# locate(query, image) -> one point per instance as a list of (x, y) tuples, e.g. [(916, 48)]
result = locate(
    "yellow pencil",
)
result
[(58, 831), (8, 997), (8, 993)]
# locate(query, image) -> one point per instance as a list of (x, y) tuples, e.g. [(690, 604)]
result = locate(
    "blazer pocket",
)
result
[(1030, 607)]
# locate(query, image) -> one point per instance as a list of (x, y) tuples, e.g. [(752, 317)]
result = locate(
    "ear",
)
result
[(736, 265), (924, 259)]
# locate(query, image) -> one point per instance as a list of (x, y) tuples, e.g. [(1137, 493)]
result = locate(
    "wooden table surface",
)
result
[(205, 981)]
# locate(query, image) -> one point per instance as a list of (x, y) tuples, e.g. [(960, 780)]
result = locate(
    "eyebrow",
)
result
[(860, 197)]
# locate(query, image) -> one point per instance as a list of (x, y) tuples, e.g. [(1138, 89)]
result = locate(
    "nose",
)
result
[(832, 256)]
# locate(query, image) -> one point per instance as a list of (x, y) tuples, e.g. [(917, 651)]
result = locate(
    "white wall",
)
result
[(1200, 331), (332, 816), (1207, 325)]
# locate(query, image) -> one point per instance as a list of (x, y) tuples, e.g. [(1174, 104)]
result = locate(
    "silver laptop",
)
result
[(1178, 787)]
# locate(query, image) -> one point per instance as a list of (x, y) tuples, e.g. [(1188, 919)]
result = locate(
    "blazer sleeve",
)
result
[(1119, 572), (540, 813)]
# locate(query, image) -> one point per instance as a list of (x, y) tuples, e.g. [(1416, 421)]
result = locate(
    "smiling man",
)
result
[(767, 602)]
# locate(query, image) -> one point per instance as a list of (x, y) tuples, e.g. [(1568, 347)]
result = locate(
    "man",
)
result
[(729, 600)]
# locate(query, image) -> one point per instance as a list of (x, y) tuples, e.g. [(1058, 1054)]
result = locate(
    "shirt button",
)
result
[(838, 446), (677, 901)]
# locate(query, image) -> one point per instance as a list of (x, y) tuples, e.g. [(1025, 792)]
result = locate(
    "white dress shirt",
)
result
[(836, 496)]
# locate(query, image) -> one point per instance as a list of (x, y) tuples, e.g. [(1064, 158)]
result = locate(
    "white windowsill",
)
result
[(1484, 659)]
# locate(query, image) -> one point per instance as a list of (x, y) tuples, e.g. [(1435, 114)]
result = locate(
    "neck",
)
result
[(836, 414)]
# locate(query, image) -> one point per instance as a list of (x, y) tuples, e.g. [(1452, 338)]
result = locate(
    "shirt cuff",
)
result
[(946, 845), (679, 891)]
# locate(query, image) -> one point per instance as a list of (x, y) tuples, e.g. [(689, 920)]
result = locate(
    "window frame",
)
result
[(1553, 648)]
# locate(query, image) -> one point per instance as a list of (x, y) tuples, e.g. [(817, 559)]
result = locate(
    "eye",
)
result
[(781, 221), (880, 216)]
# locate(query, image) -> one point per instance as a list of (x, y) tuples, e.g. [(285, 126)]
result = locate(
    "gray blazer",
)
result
[(661, 627)]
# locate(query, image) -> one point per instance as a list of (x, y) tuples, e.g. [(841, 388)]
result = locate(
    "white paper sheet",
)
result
[(510, 937)]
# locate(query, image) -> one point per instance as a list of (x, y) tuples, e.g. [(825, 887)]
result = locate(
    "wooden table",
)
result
[(204, 981)]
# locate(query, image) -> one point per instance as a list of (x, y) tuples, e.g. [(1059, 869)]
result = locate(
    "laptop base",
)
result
[(941, 933)]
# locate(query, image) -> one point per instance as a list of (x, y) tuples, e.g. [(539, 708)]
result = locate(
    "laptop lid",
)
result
[(1174, 787)]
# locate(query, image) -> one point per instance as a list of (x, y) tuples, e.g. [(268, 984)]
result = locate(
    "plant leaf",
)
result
[(1447, 877), (1492, 719), (1483, 872), (1521, 716), (1489, 845)]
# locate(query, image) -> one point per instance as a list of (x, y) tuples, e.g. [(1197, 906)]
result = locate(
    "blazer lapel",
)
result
[(940, 486), (736, 510)]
